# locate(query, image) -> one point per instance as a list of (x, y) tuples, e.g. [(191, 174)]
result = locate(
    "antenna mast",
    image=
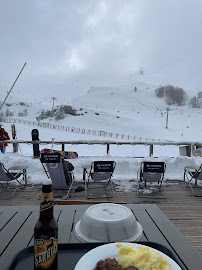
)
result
[(12, 86)]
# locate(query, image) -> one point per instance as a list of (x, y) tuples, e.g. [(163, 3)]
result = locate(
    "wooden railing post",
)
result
[(107, 148), (151, 150), (15, 147), (189, 150)]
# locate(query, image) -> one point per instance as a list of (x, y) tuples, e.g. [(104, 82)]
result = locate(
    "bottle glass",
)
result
[(46, 233)]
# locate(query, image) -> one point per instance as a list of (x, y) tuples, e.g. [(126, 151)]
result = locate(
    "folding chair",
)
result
[(7, 180), (194, 174), (100, 173), (152, 172), (54, 170)]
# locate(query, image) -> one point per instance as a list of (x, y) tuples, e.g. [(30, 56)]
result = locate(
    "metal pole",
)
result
[(12, 86), (53, 98), (167, 117)]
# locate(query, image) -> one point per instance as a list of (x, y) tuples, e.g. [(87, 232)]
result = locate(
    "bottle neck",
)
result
[(46, 205)]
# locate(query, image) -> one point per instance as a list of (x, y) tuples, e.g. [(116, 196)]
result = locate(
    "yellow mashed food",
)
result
[(143, 258)]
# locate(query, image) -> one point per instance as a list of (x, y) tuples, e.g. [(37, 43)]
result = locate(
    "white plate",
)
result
[(90, 259)]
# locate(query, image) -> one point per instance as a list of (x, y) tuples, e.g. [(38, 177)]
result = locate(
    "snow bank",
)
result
[(125, 171)]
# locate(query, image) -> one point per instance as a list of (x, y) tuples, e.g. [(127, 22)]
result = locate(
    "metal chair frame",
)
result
[(194, 175), (151, 172), (49, 169), (10, 180), (101, 172)]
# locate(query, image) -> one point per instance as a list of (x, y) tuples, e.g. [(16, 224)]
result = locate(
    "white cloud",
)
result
[(104, 38), (74, 62)]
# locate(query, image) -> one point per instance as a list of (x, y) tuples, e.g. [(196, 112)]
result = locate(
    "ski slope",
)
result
[(113, 109)]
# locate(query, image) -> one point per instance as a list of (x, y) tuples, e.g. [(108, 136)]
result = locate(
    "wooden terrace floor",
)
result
[(181, 207)]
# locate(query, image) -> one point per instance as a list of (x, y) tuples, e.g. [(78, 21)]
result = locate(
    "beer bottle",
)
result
[(46, 233)]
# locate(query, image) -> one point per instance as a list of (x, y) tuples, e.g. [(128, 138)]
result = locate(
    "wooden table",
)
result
[(17, 225)]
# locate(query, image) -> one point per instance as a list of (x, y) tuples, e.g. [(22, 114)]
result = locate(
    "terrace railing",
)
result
[(188, 146)]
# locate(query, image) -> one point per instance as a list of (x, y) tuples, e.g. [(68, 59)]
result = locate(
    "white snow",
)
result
[(115, 109)]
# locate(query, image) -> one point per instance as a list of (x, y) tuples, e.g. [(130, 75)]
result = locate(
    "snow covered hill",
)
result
[(118, 108), (141, 113), (114, 108)]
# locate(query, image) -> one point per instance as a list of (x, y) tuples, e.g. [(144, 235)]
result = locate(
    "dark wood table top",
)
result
[(17, 226)]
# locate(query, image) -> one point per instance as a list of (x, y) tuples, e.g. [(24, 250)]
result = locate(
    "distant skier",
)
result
[(3, 136)]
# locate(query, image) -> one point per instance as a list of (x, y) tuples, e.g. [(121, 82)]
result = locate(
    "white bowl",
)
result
[(108, 222)]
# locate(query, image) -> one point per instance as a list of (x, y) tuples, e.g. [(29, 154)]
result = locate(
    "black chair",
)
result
[(54, 170), (194, 175), (99, 177), (152, 173), (10, 180)]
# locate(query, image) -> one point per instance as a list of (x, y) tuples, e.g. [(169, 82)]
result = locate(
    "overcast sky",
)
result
[(68, 43)]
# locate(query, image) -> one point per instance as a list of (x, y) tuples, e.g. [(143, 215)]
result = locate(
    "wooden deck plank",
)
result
[(181, 207), (175, 238)]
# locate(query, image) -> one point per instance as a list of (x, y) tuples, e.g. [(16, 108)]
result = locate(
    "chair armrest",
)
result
[(16, 174)]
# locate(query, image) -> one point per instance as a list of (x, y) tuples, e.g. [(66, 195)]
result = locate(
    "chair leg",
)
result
[(138, 183), (39, 196), (96, 197), (162, 186), (138, 186), (112, 189), (7, 198), (192, 189), (189, 181), (68, 192), (85, 188), (165, 190)]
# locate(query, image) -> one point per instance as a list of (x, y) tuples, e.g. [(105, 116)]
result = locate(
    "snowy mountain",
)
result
[(117, 108)]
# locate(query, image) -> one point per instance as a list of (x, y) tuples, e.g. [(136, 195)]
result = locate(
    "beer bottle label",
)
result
[(46, 201), (45, 252)]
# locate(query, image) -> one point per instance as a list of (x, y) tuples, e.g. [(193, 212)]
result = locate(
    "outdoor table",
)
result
[(85, 168), (17, 227), (190, 170), (20, 168)]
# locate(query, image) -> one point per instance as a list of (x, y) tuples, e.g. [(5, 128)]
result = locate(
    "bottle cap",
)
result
[(47, 186)]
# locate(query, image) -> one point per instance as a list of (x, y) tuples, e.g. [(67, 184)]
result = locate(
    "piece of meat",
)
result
[(108, 264)]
